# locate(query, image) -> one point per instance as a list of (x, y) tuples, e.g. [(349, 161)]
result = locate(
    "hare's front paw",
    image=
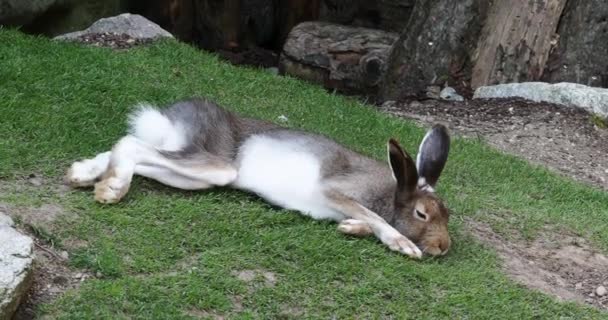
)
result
[(354, 227), (400, 243), (111, 190)]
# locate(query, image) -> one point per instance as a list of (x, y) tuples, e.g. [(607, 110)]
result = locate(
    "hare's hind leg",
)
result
[(170, 178), (86, 172), (134, 156)]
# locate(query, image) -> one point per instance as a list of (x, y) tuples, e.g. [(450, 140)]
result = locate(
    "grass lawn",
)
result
[(167, 254)]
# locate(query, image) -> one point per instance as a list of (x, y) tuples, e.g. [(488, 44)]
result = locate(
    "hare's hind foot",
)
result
[(111, 189), (86, 172)]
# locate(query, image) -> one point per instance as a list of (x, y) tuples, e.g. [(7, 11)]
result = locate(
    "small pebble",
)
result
[(78, 275), (64, 255), (98, 274), (35, 181), (601, 291), (578, 286), (283, 118)]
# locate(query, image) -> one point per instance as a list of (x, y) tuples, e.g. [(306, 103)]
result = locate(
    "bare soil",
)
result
[(565, 267), (566, 140), (52, 273)]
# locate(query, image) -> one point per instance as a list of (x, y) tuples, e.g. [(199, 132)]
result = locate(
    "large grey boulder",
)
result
[(16, 258), (594, 100), (133, 25)]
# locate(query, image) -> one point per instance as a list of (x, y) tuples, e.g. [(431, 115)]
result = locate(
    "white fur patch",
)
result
[(151, 126), (284, 174), (423, 185)]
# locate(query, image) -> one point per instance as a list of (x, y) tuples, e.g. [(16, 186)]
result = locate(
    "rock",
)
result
[(273, 70), (16, 257), (35, 180), (601, 291), (594, 100), (448, 93), (349, 59), (64, 255), (5, 220), (133, 25)]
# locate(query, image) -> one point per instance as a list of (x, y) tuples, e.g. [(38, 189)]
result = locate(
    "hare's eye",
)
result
[(422, 216)]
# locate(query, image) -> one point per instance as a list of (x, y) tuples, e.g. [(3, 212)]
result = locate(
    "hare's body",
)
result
[(292, 169), (195, 144)]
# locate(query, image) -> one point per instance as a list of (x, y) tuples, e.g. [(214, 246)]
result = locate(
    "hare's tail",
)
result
[(152, 126)]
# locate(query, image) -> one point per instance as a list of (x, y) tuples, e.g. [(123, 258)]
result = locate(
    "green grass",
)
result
[(163, 253)]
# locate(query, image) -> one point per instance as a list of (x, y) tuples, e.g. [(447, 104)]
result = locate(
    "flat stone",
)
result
[(5, 220), (133, 25), (16, 258), (591, 99)]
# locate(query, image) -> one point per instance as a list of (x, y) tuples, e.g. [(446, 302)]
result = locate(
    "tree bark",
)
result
[(516, 40), (581, 52), (435, 48), (348, 59)]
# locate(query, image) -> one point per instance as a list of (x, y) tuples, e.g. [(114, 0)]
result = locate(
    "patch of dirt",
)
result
[(42, 217), (52, 277), (269, 278), (566, 140), (202, 314), (563, 266), (253, 56)]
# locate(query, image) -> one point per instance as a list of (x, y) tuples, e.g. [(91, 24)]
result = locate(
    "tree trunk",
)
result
[(516, 40), (435, 48), (582, 49), (348, 59)]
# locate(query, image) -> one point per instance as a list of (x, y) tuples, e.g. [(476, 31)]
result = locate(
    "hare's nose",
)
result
[(444, 246)]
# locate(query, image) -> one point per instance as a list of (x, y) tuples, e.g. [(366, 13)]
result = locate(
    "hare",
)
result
[(195, 144)]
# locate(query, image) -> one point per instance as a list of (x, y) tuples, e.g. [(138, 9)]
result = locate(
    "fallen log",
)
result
[(349, 59)]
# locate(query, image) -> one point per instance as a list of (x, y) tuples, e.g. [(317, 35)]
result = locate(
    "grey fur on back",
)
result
[(213, 130)]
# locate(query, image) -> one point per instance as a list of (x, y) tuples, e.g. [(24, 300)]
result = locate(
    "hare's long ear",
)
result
[(404, 168), (432, 156)]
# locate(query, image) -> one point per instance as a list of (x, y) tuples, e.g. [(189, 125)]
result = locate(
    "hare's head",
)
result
[(419, 213)]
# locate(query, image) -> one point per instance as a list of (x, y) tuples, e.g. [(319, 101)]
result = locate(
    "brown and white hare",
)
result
[(196, 144)]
